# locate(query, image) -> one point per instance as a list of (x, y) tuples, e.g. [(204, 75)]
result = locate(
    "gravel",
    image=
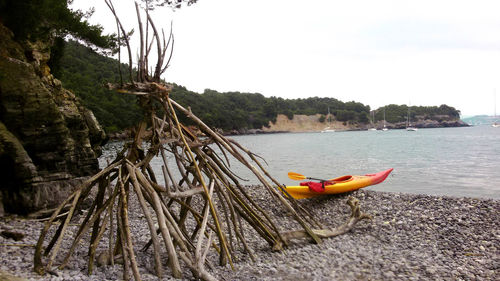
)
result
[(411, 237)]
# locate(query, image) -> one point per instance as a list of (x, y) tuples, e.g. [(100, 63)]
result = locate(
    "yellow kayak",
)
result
[(337, 185)]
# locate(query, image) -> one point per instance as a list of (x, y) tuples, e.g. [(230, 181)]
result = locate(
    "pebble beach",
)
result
[(411, 237)]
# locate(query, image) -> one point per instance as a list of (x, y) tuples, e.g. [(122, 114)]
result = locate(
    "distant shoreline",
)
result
[(126, 134)]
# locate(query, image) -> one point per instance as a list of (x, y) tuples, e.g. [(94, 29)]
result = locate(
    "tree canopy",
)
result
[(399, 113), (42, 19), (51, 21), (86, 73), (175, 4)]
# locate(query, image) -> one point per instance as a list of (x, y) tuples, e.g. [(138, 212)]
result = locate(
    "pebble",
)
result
[(411, 237)]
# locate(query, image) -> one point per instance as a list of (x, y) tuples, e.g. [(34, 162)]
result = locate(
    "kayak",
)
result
[(336, 185)]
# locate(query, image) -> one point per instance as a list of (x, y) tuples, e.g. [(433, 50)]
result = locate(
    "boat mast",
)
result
[(495, 102), (384, 116), (408, 117)]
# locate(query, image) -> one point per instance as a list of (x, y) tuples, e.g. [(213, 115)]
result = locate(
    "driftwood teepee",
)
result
[(205, 208)]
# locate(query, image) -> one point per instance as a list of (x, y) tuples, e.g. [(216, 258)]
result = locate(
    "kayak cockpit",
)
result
[(341, 179)]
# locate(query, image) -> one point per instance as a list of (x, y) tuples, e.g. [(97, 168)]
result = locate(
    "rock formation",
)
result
[(48, 141), (307, 123), (313, 123)]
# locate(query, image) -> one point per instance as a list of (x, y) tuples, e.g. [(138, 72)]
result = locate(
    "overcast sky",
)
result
[(374, 52)]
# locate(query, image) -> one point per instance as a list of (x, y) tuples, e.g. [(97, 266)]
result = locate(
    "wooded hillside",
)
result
[(86, 72)]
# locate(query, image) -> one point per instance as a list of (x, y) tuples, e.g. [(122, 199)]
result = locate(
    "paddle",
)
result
[(298, 177)]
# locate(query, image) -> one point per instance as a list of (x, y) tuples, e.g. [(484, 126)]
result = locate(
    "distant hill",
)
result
[(85, 72), (481, 120), (398, 113)]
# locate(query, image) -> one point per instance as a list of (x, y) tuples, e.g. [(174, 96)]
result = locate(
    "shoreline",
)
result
[(411, 237), (126, 134)]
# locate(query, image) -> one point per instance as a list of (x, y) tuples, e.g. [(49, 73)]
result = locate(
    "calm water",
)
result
[(448, 161)]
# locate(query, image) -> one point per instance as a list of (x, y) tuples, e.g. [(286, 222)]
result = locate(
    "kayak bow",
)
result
[(336, 185)]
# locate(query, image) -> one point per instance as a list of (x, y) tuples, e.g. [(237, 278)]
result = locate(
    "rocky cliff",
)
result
[(49, 142), (307, 123), (312, 123)]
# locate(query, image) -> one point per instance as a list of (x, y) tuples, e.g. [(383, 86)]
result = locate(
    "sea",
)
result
[(454, 162)]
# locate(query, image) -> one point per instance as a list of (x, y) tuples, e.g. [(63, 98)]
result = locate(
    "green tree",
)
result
[(399, 113), (50, 21), (47, 19), (85, 73)]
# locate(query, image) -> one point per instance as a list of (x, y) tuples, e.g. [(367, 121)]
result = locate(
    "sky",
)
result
[(381, 52)]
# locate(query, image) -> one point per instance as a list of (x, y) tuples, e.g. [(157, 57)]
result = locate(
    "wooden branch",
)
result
[(170, 39), (111, 229), (121, 240), (85, 228), (141, 69), (159, 62), (86, 186), (112, 8), (93, 246), (291, 199), (167, 239), (44, 215), (356, 216), (151, 225), (200, 254), (94, 240), (66, 222), (210, 203), (127, 236), (119, 52), (254, 219), (146, 56), (188, 193)]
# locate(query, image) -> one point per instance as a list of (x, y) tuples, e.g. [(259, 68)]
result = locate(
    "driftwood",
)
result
[(201, 207), (356, 216)]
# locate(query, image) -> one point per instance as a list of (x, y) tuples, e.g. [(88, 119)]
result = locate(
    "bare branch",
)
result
[(141, 68), (159, 63), (112, 8), (170, 41), (356, 216)]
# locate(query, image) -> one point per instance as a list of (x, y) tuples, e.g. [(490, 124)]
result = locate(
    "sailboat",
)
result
[(373, 122), (495, 124), (384, 128), (327, 129), (410, 127)]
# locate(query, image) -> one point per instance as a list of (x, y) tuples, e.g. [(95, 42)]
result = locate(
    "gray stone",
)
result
[(49, 143)]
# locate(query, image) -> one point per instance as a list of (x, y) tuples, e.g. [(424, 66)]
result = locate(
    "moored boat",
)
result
[(328, 129), (409, 127), (384, 128)]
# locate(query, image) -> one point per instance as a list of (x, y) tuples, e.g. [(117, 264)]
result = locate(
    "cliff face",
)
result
[(49, 142), (306, 123), (311, 123)]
